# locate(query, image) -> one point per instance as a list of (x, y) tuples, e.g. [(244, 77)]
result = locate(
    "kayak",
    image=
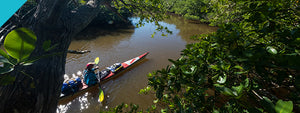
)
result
[(104, 77)]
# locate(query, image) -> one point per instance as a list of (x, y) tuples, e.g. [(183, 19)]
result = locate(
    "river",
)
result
[(118, 45)]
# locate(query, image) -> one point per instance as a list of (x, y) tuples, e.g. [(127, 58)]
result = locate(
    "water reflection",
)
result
[(83, 103), (119, 46), (189, 28)]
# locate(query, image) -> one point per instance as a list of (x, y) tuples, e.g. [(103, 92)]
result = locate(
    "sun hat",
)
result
[(90, 65)]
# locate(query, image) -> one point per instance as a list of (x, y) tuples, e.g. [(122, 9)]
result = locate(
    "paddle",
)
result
[(101, 93)]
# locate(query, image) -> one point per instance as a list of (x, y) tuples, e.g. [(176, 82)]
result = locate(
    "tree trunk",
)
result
[(37, 87)]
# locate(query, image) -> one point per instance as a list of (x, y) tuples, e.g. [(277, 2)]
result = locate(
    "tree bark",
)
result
[(37, 87)]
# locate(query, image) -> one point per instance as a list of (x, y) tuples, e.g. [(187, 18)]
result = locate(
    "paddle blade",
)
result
[(101, 96), (97, 60)]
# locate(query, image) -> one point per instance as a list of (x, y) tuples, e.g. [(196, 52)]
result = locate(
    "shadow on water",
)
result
[(189, 28), (93, 32)]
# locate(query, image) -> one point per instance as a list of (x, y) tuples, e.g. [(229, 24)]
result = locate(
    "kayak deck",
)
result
[(126, 66)]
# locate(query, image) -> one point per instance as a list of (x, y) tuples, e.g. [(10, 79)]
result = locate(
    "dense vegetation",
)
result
[(191, 9), (251, 64), (31, 85)]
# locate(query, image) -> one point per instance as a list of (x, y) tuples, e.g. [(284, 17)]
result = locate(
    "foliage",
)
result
[(251, 65), (213, 11), (19, 44), (191, 9), (147, 10), (132, 108), (124, 108), (111, 16)]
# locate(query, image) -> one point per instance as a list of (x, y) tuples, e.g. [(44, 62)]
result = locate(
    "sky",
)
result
[(8, 8)]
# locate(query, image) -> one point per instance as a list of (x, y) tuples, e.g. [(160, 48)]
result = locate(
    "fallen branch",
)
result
[(78, 51)]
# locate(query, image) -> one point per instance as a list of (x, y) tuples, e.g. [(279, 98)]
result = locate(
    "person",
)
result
[(90, 77)]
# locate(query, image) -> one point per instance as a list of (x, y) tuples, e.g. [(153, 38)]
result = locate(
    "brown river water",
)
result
[(118, 45)]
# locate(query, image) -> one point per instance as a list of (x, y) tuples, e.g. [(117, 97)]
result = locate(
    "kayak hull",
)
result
[(126, 66)]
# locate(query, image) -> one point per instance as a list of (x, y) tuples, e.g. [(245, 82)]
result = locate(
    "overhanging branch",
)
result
[(76, 19)]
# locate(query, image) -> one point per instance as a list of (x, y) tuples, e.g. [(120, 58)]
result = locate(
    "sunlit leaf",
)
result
[(224, 90), (20, 43), (271, 50), (2, 53), (155, 101), (284, 106), (214, 67), (163, 110), (238, 73), (238, 67), (189, 70), (82, 2), (222, 80), (246, 84)]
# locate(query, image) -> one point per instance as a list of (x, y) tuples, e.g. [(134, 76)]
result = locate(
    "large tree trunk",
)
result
[(37, 87)]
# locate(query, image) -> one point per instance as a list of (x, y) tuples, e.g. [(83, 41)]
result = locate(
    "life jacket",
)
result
[(115, 67), (71, 86), (90, 77)]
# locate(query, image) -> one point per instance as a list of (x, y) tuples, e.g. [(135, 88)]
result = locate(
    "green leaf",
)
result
[(238, 73), (246, 83), (4, 54), (189, 70), (215, 67), (268, 105), (224, 90), (271, 50), (174, 62), (284, 106), (164, 110), (238, 67), (20, 43), (47, 45), (221, 79), (12, 60), (6, 68), (237, 90), (153, 107), (3, 59), (82, 2)]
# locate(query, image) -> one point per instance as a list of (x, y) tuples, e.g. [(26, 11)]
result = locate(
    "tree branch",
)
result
[(49, 11), (76, 19)]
